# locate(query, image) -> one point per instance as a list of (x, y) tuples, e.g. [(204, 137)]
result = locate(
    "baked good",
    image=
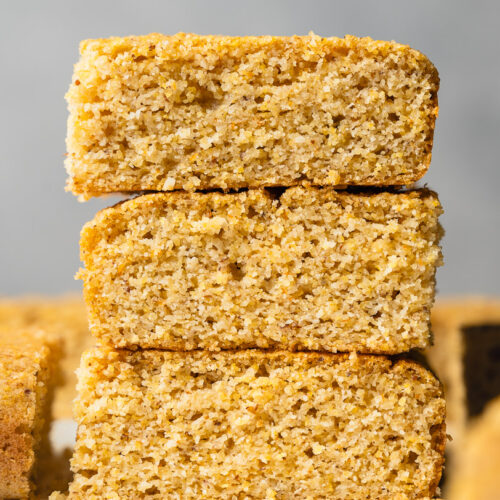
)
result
[(28, 374), (197, 112), (465, 356), (62, 315), (312, 269), (476, 476), (255, 424)]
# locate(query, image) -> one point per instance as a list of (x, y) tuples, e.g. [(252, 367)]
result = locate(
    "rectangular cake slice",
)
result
[(256, 424), (28, 374), (64, 316), (312, 269), (199, 112)]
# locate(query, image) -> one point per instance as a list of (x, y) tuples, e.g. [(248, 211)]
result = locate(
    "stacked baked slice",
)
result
[(244, 309)]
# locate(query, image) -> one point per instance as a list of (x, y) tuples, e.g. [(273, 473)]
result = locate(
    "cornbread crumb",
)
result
[(314, 269), (62, 315), (255, 424), (199, 112), (28, 373)]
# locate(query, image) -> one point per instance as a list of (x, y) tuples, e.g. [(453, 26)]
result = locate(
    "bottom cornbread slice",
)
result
[(255, 424), (28, 374)]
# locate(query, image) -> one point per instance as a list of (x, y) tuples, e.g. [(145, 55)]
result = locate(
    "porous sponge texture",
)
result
[(255, 424), (194, 112), (312, 269)]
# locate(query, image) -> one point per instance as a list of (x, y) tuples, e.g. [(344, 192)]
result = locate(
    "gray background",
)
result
[(40, 223)]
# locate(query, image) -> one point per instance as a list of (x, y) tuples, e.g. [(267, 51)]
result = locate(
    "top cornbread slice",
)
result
[(194, 112)]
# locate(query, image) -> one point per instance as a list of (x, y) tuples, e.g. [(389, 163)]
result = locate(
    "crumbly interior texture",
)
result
[(198, 112), (28, 361), (477, 474), (255, 424), (64, 316), (449, 318), (313, 269)]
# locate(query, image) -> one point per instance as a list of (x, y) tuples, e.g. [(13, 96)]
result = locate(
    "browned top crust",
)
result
[(183, 45)]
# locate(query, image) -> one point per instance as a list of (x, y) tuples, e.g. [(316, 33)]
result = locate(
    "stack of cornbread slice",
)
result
[(241, 316)]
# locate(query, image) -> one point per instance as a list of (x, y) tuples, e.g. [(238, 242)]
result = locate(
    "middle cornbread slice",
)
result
[(305, 268)]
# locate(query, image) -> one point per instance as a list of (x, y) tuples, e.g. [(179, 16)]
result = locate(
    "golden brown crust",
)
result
[(177, 46)]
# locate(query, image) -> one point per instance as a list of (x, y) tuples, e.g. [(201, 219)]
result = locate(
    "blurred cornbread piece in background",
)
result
[(255, 424), (64, 316), (312, 269), (477, 472), (196, 112), (28, 374), (466, 357)]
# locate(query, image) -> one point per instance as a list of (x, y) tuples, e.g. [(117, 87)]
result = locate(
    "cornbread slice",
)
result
[(466, 355), (64, 316), (198, 112), (255, 424), (28, 374), (477, 474), (313, 269)]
